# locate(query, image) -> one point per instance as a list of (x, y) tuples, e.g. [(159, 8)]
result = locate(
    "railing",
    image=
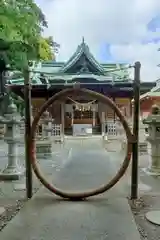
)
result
[(115, 131), (56, 131)]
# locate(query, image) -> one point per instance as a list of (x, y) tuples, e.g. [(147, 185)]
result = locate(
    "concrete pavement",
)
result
[(48, 217)]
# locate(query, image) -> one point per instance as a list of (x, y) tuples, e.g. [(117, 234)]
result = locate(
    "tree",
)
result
[(21, 24), (45, 50), (55, 46)]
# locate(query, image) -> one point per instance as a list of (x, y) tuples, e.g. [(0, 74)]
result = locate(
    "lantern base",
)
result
[(43, 149), (11, 173), (152, 171)]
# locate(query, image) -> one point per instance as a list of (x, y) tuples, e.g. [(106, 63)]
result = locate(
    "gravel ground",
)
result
[(10, 212), (147, 230), (12, 208)]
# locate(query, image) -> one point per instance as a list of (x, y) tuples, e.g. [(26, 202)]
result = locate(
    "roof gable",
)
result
[(82, 61)]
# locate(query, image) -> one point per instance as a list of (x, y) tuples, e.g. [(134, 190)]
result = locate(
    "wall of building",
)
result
[(146, 105), (124, 104), (55, 109), (36, 104)]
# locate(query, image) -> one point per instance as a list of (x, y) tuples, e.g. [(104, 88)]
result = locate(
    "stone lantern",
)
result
[(153, 122), (13, 171), (44, 143)]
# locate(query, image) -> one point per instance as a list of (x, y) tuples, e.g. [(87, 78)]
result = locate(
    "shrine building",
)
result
[(148, 99), (112, 80)]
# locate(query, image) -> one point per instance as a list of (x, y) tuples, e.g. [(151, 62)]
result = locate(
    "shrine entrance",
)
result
[(101, 98), (81, 117)]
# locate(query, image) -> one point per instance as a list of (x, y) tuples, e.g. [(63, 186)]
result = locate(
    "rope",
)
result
[(78, 104)]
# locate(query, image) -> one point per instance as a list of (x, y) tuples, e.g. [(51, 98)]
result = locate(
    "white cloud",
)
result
[(112, 21), (147, 54)]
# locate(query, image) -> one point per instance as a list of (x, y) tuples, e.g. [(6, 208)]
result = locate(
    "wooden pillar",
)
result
[(114, 114), (94, 115), (130, 108), (62, 116), (72, 120), (103, 124)]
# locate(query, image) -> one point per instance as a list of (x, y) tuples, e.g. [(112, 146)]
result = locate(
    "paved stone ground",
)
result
[(149, 200), (149, 195), (86, 166), (149, 187), (13, 194)]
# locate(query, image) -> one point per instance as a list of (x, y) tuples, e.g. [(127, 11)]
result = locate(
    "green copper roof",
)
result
[(69, 77), (155, 92), (82, 53), (81, 64)]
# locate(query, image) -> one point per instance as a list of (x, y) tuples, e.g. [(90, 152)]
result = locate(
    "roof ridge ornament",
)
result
[(84, 46)]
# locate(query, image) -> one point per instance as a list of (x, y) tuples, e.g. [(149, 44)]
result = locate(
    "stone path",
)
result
[(104, 217)]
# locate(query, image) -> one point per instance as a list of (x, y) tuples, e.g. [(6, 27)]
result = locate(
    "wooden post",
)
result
[(134, 175), (103, 124), (27, 100), (94, 115)]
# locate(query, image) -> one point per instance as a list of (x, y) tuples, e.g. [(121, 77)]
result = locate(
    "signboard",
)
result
[(82, 129)]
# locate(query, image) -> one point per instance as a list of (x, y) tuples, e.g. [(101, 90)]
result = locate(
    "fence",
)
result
[(57, 133), (115, 131)]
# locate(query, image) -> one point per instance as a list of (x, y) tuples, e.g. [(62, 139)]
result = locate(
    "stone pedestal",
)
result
[(142, 148), (143, 145), (154, 160), (13, 171), (142, 139), (43, 148), (153, 121), (44, 143)]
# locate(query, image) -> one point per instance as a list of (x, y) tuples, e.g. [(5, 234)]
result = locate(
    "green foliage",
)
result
[(45, 49), (21, 25), (19, 102)]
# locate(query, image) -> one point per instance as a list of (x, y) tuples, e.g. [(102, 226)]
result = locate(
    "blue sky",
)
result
[(105, 53), (116, 31), (154, 24)]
